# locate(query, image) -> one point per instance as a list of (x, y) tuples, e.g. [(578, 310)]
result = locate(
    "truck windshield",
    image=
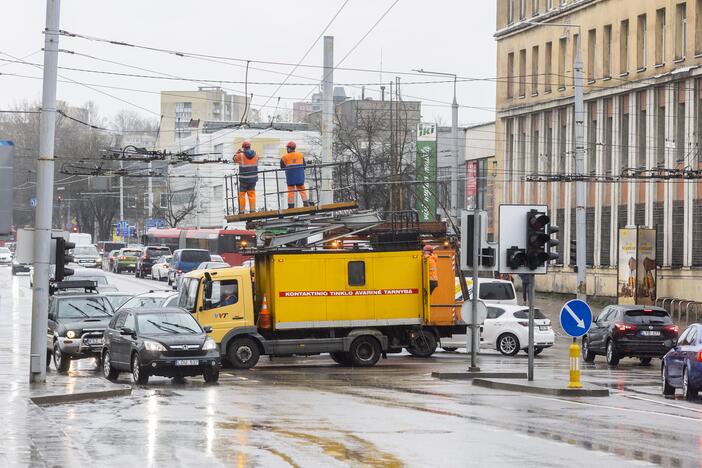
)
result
[(85, 250), (188, 294), (78, 308)]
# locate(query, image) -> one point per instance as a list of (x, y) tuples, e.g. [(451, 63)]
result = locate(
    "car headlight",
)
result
[(70, 334), (209, 345), (153, 346)]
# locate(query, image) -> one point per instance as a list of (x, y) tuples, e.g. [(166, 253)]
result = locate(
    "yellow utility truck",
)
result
[(357, 305)]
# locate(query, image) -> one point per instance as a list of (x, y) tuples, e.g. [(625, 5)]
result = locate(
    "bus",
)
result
[(225, 242)]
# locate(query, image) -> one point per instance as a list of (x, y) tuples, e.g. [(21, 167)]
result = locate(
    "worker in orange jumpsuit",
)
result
[(294, 164), (432, 261), (247, 159)]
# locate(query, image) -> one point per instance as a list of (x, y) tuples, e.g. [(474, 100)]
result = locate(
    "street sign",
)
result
[(33, 202), (467, 315), (576, 318)]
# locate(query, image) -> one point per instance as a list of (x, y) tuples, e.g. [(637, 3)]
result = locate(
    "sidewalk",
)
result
[(29, 437)]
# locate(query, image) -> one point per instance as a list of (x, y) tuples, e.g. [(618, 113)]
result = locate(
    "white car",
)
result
[(506, 329), (490, 291), (159, 270), (5, 256)]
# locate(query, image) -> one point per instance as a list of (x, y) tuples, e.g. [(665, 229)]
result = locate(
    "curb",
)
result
[(540, 390), (478, 375), (46, 400)]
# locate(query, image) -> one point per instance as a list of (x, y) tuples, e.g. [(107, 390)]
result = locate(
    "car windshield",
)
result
[(648, 317), (165, 259), (138, 302), (130, 253), (4, 250), (496, 291), (117, 300), (85, 250), (157, 251), (524, 314), (195, 256), (167, 323), (76, 308)]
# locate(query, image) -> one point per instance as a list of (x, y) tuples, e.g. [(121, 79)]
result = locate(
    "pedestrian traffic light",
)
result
[(574, 255), (516, 258), (63, 258), (538, 239)]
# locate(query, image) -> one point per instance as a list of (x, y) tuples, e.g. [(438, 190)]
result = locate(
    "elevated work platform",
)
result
[(303, 210)]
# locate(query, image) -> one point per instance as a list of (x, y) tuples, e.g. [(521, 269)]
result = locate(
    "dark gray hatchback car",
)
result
[(167, 342)]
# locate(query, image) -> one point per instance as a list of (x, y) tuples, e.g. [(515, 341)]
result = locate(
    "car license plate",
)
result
[(650, 333), (94, 340), (543, 328), (187, 362)]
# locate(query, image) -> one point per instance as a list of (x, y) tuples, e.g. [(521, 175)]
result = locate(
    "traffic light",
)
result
[(538, 239), (63, 258), (574, 255), (516, 258)]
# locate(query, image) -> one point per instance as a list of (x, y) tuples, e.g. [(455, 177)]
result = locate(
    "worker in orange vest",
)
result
[(247, 159), (294, 164), (433, 267)]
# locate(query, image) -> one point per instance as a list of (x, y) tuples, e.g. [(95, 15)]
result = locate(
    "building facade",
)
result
[(183, 111), (643, 113)]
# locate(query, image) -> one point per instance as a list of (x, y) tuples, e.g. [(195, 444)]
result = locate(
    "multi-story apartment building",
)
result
[(643, 110), (183, 111)]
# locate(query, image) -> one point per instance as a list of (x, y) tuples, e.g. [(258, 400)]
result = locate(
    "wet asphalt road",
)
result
[(311, 412)]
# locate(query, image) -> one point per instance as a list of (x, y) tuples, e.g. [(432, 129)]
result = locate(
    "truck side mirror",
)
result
[(207, 328)]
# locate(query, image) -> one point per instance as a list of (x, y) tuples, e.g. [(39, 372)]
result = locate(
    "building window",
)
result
[(522, 9), (163, 200), (591, 50), (131, 201), (548, 70), (510, 11), (576, 52), (607, 51), (535, 70), (510, 75), (562, 139), (680, 119), (147, 201), (624, 47), (660, 36), (608, 129), (660, 126), (521, 148), (624, 132), (641, 105), (522, 73), (535, 7), (549, 5), (592, 138), (533, 163), (548, 157), (680, 31), (183, 115), (562, 44), (641, 42), (698, 28)]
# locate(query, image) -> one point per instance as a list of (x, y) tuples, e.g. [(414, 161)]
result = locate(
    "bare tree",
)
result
[(179, 204)]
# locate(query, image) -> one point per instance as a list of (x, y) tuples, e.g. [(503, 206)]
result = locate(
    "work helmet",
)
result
[(246, 144), (428, 248), (292, 145)]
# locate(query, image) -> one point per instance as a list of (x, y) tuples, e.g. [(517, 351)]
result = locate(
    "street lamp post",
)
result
[(454, 137), (580, 230)]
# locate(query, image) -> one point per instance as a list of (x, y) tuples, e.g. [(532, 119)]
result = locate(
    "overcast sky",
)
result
[(443, 35)]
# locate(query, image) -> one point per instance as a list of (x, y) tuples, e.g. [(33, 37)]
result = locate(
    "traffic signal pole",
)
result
[(530, 298), (45, 189), (475, 329), (580, 231)]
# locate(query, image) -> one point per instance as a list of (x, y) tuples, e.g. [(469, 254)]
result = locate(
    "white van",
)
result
[(80, 238), (490, 291)]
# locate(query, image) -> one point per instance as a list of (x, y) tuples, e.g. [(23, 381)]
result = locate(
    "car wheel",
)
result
[(342, 358), (243, 353), (666, 388), (109, 372), (612, 357), (588, 354), (537, 351), (449, 349), (423, 344), (365, 351), (645, 361), (139, 374), (62, 362), (211, 376), (170, 283), (117, 270), (508, 344), (689, 393), (137, 273), (48, 358)]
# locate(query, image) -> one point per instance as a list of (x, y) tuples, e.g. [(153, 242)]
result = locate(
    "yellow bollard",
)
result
[(574, 352)]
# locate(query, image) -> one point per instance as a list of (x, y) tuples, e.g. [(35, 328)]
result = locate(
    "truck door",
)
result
[(224, 309)]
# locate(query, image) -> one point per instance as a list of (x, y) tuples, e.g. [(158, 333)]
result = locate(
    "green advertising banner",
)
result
[(425, 202)]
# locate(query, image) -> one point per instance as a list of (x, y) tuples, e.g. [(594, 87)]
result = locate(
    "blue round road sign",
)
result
[(576, 318)]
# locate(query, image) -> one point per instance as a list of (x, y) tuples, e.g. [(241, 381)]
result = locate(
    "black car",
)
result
[(148, 258), (638, 331), (158, 341), (76, 324), (18, 267)]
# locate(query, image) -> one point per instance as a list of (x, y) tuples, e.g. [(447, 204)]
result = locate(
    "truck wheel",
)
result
[(364, 351), (423, 344), (341, 358), (243, 353)]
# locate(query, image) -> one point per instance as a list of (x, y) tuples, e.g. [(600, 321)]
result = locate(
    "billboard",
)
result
[(425, 194), (636, 269), (471, 184)]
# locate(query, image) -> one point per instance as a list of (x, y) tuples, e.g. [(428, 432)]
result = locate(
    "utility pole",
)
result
[(580, 231), (121, 200), (151, 191), (475, 328), (45, 189), (327, 194)]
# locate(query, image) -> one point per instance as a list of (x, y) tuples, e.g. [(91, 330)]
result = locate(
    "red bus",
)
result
[(225, 242)]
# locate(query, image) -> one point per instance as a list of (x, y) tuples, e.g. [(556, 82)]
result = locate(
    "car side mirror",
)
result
[(207, 328), (670, 343), (51, 316), (127, 331)]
